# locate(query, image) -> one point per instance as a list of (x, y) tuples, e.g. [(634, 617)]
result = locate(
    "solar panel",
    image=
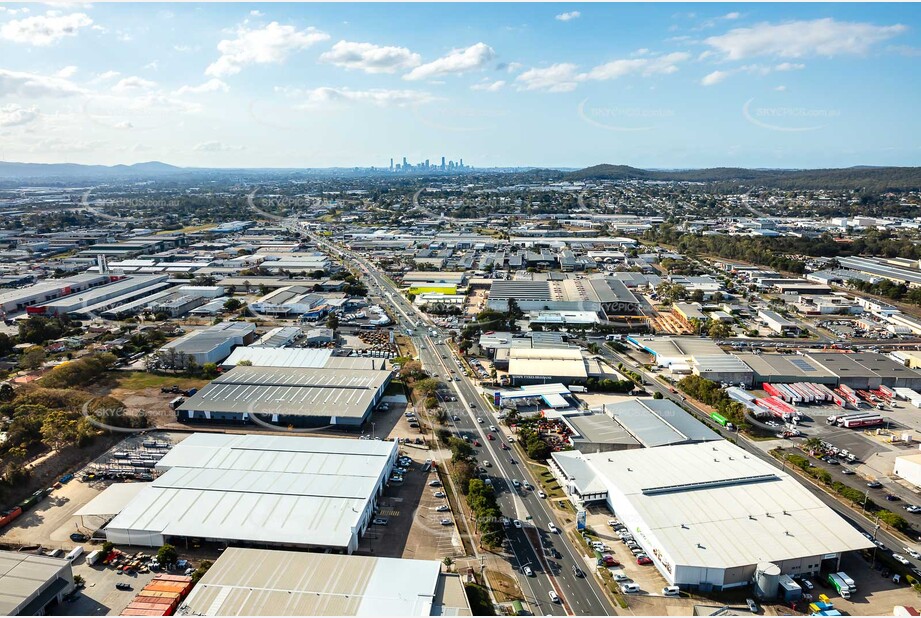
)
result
[(802, 365)]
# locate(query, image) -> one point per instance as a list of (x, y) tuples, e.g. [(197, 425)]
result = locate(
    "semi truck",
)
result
[(839, 585)]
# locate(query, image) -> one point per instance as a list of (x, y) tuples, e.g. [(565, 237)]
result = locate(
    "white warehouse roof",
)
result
[(255, 582), (294, 490), (713, 505)]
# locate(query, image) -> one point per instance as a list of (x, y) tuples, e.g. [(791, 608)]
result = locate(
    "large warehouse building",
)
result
[(281, 491), (30, 584), (254, 582), (709, 514), (288, 396)]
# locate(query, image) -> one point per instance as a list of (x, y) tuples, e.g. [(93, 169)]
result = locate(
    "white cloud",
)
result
[(106, 76), (714, 78), (655, 65), (256, 13), (457, 61), (133, 85), (32, 85), (271, 44), (14, 115), (370, 58), (755, 69), (568, 16), (212, 85), (733, 15), (489, 86), (67, 72), (560, 77), (47, 29), (216, 147), (152, 65), (780, 88), (381, 97), (514, 67), (797, 39)]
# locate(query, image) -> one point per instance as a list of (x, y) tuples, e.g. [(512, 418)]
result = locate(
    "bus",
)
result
[(838, 584), (719, 419)]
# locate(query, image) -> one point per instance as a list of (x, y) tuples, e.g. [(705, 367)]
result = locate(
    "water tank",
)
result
[(767, 580)]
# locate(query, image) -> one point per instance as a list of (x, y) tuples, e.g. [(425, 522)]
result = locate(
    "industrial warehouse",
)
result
[(289, 396), (270, 491), (254, 582), (709, 515)]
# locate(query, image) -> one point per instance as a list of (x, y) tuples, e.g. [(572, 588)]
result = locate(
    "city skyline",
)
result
[(548, 85)]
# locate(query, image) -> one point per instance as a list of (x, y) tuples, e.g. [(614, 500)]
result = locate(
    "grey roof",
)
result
[(23, 576), (317, 392), (659, 422), (519, 290), (258, 582), (780, 367), (600, 429)]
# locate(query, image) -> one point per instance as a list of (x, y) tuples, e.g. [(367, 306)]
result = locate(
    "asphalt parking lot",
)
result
[(101, 597)]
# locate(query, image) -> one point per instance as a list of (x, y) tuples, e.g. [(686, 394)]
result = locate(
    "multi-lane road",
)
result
[(578, 595)]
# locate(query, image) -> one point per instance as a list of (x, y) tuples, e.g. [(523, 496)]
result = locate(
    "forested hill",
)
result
[(867, 178)]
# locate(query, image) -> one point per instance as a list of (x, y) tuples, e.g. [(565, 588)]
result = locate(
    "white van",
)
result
[(671, 591), (630, 587), (75, 553)]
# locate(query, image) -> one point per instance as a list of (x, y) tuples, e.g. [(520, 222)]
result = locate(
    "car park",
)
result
[(643, 559), (620, 577), (442, 508), (630, 588)]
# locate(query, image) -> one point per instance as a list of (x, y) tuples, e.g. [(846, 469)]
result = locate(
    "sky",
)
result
[(525, 84)]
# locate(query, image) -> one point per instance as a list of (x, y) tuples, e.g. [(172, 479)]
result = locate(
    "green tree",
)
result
[(719, 330), (232, 304), (657, 395), (58, 429), (332, 321), (167, 554), (33, 358)]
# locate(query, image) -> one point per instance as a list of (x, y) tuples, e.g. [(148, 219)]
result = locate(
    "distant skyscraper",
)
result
[(391, 164), (404, 163), (461, 165), (442, 163)]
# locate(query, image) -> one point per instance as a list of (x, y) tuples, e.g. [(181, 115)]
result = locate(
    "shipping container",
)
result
[(10, 515), (865, 421)]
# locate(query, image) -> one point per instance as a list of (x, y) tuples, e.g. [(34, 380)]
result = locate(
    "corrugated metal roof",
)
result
[(284, 583), (705, 519)]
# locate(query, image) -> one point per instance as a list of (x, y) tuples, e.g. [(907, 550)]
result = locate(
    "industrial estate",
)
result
[(434, 386)]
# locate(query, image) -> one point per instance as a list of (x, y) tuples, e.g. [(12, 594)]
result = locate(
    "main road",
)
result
[(472, 416)]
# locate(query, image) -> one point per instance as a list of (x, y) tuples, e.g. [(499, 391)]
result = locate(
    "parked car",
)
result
[(446, 522), (671, 591), (807, 584), (752, 606), (435, 483), (79, 537), (900, 559), (442, 508), (516, 523), (440, 494), (643, 559), (528, 572), (123, 586)]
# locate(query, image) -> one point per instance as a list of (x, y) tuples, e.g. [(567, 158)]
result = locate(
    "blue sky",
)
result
[(318, 85)]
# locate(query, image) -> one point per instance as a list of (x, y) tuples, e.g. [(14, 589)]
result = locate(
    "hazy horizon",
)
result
[(661, 86)]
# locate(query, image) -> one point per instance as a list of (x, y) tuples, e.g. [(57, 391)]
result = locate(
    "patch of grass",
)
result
[(139, 380), (503, 587), (480, 604)]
